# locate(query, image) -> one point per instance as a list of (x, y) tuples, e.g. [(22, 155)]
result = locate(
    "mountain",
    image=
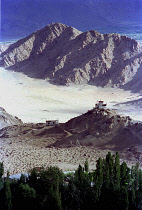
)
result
[(65, 55), (7, 119), (3, 47), (20, 18)]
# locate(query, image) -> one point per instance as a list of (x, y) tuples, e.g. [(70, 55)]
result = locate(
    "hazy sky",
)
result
[(22, 17)]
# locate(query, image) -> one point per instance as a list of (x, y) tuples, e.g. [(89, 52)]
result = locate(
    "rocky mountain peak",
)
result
[(65, 55)]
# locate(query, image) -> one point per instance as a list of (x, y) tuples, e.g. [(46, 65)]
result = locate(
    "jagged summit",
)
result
[(65, 55)]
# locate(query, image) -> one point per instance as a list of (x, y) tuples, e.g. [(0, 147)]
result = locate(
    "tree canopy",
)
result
[(111, 184)]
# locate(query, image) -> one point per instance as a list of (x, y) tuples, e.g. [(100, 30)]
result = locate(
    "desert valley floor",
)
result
[(22, 154), (37, 100)]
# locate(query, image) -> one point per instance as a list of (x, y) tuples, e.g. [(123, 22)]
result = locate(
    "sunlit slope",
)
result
[(64, 55)]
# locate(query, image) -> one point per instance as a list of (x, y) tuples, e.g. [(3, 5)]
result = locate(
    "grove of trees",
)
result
[(110, 186)]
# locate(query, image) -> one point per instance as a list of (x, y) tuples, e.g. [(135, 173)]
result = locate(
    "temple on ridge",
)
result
[(100, 104)]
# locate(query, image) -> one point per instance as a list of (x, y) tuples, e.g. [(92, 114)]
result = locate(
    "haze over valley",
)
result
[(59, 72), (70, 104), (37, 100)]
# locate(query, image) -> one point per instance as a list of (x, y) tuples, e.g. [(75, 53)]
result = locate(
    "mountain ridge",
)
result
[(64, 55)]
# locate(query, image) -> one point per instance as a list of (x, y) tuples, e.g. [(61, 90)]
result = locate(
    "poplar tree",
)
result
[(1, 170), (117, 172), (135, 175), (110, 165), (124, 201), (99, 176), (125, 174), (1, 174), (86, 166), (106, 178), (7, 195)]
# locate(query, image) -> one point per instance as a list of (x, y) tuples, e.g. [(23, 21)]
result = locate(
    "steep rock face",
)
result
[(65, 55), (7, 119), (3, 47), (9, 124)]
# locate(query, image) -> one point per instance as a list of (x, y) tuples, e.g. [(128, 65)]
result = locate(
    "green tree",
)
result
[(110, 165), (82, 184), (53, 175), (1, 174), (71, 195), (52, 200), (33, 178), (48, 184), (26, 196), (79, 175), (124, 199), (86, 166), (125, 174), (132, 197), (136, 179), (98, 178), (135, 175), (7, 195), (117, 172), (106, 177), (23, 178), (1, 170)]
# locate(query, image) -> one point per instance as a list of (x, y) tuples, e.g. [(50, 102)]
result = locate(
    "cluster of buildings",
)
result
[(98, 105)]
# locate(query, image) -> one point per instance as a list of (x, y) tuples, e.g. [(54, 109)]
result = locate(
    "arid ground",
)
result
[(20, 155), (35, 101)]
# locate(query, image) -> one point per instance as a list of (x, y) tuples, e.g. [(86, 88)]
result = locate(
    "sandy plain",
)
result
[(35, 101), (20, 155)]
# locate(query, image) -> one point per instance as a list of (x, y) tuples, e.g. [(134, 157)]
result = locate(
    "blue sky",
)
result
[(22, 17)]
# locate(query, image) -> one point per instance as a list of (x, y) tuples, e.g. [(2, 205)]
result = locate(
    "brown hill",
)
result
[(65, 55), (102, 128)]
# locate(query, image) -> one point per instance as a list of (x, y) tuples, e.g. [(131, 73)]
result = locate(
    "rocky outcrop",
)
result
[(8, 121), (97, 127), (103, 128), (3, 47), (65, 55)]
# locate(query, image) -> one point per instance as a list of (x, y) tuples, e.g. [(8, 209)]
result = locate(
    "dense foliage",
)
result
[(111, 186)]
